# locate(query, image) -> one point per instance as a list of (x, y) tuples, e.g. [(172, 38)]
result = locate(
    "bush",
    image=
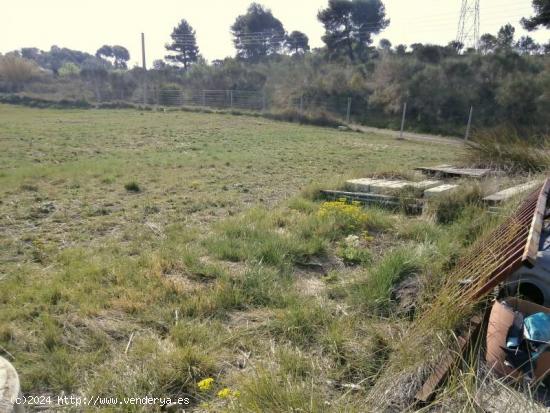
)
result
[(132, 186), (506, 149)]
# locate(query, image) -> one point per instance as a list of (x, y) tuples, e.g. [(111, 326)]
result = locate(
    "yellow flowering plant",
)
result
[(347, 217), (227, 393), (205, 384)]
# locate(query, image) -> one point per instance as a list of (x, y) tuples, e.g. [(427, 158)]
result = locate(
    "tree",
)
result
[(350, 25), (69, 69), (159, 64), (105, 52), (456, 46), (121, 56), (487, 43), (505, 37), (297, 43), (385, 44), (401, 50), (257, 34), (94, 71), (526, 45), (184, 45), (542, 17)]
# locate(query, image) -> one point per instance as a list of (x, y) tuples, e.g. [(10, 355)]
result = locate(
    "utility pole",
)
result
[(467, 136), (403, 120), (348, 112), (144, 65)]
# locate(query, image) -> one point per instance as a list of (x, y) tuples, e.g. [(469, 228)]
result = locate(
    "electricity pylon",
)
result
[(468, 24)]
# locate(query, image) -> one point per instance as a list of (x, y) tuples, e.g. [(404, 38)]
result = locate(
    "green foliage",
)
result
[(69, 69), (356, 255), (184, 47), (350, 25), (375, 291), (542, 15), (268, 33), (297, 43)]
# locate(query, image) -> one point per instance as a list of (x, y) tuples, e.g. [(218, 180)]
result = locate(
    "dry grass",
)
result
[(509, 151)]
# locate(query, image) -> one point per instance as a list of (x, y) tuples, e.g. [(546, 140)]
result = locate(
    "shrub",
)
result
[(132, 186), (505, 149), (17, 70)]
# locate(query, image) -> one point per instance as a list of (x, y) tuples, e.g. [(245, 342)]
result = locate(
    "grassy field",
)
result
[(142, 252)]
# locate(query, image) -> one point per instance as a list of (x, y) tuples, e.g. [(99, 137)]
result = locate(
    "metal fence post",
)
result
[(467, 136), (403, 120), (231, 97), (348, 112), (302, 103)]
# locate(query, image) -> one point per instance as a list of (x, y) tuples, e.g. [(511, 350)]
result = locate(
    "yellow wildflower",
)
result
[(205, 384), (224, 393)]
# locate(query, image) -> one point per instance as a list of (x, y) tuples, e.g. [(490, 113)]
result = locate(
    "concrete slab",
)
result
[(453, 171), (509, 193), (439, 190), (385, 186), (381, 186), (426, 184), (360, 185)]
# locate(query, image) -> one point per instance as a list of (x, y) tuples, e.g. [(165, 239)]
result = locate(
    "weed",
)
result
[(132, 186)]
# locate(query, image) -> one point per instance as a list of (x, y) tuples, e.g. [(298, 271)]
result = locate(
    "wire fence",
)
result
[(343, 108), (219, 99)]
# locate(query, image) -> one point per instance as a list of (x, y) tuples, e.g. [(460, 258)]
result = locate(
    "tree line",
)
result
[(506, 78)]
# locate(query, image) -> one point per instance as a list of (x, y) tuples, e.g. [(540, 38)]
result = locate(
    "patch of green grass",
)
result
[(375, 290), (267, 391)]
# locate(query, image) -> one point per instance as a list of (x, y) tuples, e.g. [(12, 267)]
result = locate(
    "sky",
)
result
[(87, 25)]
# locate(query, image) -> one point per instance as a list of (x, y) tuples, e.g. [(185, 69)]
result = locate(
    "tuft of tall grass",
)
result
[(450, 207), (506, 149), (374, 292)]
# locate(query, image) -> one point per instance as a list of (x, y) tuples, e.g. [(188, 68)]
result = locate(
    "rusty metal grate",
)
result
[(513, 244)]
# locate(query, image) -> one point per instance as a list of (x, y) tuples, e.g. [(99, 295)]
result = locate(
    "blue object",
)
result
[(536, 328)]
